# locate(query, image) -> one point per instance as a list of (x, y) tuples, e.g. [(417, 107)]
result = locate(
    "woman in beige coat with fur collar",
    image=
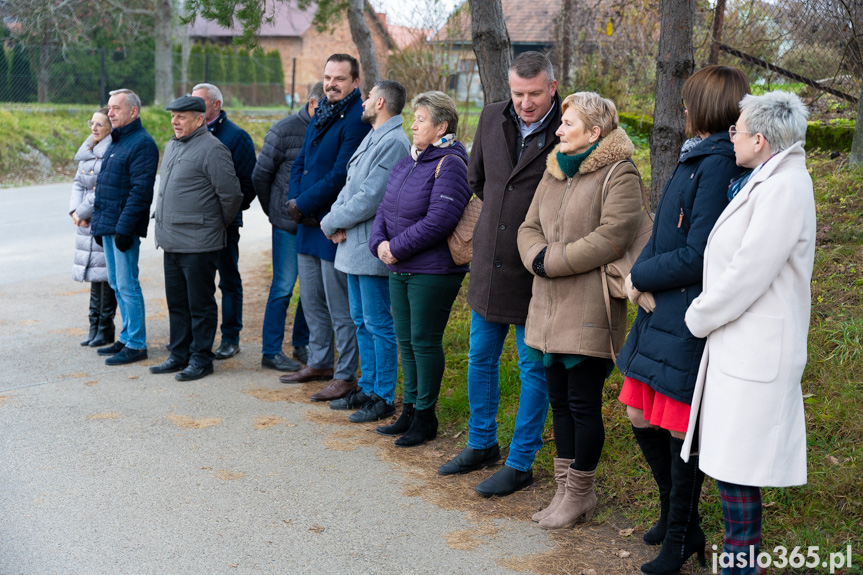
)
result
[(754, 311), (571, 230)]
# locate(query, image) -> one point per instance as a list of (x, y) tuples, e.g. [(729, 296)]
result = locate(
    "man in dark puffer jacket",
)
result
[(124, 192), (239, 143), (271, 178)]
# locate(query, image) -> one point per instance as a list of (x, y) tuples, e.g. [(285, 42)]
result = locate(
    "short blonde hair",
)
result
[(441, 109), (594, 111)]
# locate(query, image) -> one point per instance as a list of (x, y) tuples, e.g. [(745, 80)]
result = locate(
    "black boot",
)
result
[(95, 299), (653, 442), (684, 536), (402, 424), (422, 429), (105, 334)]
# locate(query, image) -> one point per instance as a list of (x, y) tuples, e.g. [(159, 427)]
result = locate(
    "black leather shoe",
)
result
[(301, 354), (126, 355), (355, 399), (112, 349), (375, 409), (169, 366), (193, 372), (507, 480), (471, 459), (227, 349), (281, 363)]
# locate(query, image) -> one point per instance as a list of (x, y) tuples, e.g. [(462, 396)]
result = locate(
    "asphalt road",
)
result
[(116, 471)]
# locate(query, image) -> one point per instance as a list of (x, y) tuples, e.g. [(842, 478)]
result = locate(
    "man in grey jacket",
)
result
[(271, 177), (199, 196), (348, 224)]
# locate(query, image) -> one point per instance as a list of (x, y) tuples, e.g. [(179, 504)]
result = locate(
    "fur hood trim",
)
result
[(614, 147)]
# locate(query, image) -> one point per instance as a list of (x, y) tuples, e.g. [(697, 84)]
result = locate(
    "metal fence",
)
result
[(85, 76)]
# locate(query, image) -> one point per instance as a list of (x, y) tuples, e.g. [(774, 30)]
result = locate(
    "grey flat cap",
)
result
[(187, 104)]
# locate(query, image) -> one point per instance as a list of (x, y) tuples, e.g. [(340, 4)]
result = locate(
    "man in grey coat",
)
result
[(348, 224), (199, 196)]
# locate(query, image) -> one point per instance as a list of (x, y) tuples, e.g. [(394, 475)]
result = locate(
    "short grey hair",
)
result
[(779, 116), (441, 109), (132, 98), (213, 93), (530, 64), (317, 92)]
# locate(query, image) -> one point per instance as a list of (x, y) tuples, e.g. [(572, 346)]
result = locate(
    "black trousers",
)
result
[(190, 288), (576, 411)]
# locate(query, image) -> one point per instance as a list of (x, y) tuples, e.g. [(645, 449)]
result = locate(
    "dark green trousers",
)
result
[(421, 306)]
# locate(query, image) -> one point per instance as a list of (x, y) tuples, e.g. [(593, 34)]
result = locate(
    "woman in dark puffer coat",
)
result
[(661, 356), (426, 195), (89, 257)]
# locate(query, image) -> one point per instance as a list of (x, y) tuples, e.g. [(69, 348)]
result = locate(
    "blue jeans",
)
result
[(231, 286), (281, 289), (123, 279), (483, 391), (379, 355)]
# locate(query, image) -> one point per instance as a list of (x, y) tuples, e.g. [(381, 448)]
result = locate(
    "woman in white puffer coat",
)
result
[(89, 263)]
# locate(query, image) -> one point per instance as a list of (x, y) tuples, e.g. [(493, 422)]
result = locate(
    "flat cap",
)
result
[(187, 104)]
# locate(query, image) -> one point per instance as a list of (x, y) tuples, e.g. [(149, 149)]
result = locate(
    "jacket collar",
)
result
[(132, 126), (88, 152), (614, 147), (544, 137), (717, 143), (217, 123), (434, 154)]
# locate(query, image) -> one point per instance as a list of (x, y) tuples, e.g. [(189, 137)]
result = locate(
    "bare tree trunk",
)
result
[(182, 33), (492, 48), (363, 39), (566, 28), (856, 156), (162, 28), (47, 55), (674, 64)]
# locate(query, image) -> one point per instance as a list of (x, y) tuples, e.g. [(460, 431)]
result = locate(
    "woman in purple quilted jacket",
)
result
[(426, 195)]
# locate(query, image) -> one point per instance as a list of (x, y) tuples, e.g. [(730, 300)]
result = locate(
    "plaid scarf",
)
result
[(327, 112)]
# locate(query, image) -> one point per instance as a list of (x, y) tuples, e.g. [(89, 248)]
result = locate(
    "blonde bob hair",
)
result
[(594, 111)]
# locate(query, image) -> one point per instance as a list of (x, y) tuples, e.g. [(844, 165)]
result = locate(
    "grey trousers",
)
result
[(324, 290)]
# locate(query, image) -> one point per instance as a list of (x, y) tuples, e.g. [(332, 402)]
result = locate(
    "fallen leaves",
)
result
[(316, 529), (626, 532), (186, 422), (267, 421), (107, 415), (227, 475)]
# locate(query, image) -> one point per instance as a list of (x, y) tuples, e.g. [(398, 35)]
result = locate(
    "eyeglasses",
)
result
[(683, 103), (91, 123), (733, 131)]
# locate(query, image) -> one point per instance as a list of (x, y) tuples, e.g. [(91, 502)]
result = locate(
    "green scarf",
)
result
[(569, 164)]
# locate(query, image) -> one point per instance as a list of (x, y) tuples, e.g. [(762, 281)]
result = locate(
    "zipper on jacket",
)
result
[(399, 195), (552, 284)]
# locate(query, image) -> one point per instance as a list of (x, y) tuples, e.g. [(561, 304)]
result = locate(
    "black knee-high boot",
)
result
[(107, 310), (683, 537), (95, 303), (653, 442)]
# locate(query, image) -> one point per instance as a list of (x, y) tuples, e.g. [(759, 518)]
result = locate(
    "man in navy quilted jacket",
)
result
[(239, 143), (121, 213), (317, 176)]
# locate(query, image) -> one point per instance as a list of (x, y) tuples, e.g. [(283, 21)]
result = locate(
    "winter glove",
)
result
[(646, 302), (98, 240), (123, 242), (294, 212), (539, 264), (631, 290)]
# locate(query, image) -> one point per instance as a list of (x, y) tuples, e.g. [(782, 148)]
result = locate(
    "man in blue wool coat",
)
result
[(239, 143), (317, 176)]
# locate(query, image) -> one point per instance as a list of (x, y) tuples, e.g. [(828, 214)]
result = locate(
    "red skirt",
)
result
[(659, 410)]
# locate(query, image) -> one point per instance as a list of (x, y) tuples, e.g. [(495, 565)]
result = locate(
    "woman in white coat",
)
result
[(754, 311)]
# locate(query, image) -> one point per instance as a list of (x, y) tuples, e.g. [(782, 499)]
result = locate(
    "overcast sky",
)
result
[(416, 12)]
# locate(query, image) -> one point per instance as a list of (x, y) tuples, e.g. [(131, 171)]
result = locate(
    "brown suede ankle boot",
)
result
[(561, 469), (578, 500)]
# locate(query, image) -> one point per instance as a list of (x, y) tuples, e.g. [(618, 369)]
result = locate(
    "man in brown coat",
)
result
[(513, 140)]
